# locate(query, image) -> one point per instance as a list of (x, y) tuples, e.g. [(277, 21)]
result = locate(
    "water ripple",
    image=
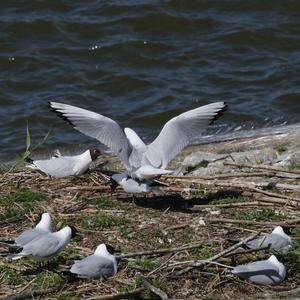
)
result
[(142, 62)]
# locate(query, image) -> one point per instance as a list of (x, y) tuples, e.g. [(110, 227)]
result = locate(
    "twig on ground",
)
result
[(88, 188), (161, 266), (126, 295), (237, 228), (238, 184), (261, 167), (11, 220), (32, 293), (247, 251), (236, 204), (199, 263), (275, 200), (219, 176), (158, 292), (176, 227), (274, 194), (250, 222), (160, 251)]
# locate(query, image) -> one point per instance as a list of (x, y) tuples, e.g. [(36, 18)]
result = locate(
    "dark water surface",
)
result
[(142, 62)]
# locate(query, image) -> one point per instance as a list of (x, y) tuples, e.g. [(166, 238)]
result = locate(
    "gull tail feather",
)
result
[(7, 242), (15, 256)]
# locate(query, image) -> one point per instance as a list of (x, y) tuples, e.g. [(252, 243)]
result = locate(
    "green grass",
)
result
[(66, 257), (202, 164), (10, 276), (294, 164), (47, 279), (281, 148), (130, 287), (26, 195), (158, 283), (199, 190), (292, 258), (67, 296), (145, 264), (205, 251), (264, 215), (19, 203), (22, 196), (228, 200), (102, 221), (104, 202), (186, 235)]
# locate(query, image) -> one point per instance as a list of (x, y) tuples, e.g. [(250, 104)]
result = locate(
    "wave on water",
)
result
[(143, 62)]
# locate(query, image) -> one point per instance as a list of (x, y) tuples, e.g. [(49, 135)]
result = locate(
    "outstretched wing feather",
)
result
[(97, 126), (180, 131)]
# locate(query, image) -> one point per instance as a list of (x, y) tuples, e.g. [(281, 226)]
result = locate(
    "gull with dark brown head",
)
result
[(46, 246), (100, 264), (277, 240), (269, 271)]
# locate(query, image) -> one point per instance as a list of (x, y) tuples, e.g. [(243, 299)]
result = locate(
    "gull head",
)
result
[(74, 231), (94, 153)]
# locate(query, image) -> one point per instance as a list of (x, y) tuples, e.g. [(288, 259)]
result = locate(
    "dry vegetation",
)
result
[(205, 215)]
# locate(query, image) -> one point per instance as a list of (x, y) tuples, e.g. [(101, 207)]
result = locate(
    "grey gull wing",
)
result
[(260, 272), (97, 126), (180, 131), (93, 266), (275, 241), (28, 235)]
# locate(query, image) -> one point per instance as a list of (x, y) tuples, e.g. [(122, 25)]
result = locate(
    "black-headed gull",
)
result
[(142, 161), (43, 227), (131, 185), (100, 264), (277, 240), (45, 246), (269, 271), (62, 166)]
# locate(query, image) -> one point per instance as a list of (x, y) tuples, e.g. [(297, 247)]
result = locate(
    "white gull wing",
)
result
[(94, 266), (261, 272), (179, 132), (97, 126), (134, 139)]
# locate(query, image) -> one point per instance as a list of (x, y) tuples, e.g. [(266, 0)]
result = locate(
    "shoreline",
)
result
[(277, 134)]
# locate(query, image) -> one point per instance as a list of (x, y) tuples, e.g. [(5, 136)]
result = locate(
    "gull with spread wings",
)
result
[(143, 162)]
